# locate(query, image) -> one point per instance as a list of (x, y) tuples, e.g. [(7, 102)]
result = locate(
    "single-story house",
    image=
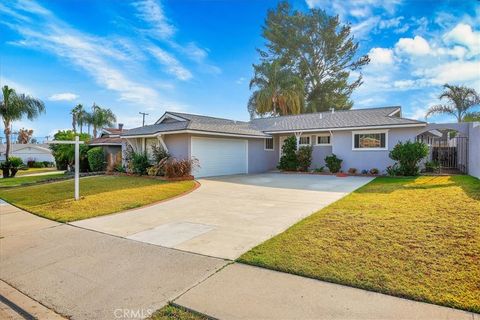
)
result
[(28, 152), (361, 137), (111, 143)]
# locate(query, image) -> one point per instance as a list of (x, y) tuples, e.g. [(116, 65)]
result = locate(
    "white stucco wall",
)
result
[(474, 150)]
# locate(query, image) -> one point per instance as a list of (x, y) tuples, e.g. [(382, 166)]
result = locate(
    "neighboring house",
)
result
[(111, 143), (361, 137), (28, 152)]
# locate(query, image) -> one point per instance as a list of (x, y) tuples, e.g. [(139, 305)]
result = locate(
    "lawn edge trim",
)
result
[(195, 187)]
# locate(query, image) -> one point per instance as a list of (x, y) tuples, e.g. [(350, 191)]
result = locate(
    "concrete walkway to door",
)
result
[(227, 216)]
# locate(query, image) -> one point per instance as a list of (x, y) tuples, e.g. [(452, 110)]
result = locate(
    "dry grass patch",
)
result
[(170, 312), (415, 238), (100, 196)]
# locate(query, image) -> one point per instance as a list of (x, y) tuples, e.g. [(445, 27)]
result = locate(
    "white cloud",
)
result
[(451, 72), (417, 46), (65, 96), (464, 35), (172, 65), (390, 23), (365, 15), (381, 56), (152, 12)]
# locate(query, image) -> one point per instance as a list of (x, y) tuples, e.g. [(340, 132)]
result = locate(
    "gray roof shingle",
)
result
[(259, 127), (328, 120)]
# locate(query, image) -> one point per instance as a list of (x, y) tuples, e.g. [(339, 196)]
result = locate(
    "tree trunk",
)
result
[(74, 123), (7, 140), (94, 131)]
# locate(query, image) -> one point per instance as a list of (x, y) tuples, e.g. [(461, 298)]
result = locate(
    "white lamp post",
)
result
[(77, 144)]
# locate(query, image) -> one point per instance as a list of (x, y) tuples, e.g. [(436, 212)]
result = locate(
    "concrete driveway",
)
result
[(227, 216)]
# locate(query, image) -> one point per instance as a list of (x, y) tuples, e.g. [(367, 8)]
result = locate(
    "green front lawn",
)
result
[(100, 195), (19, 181), (417, 238)]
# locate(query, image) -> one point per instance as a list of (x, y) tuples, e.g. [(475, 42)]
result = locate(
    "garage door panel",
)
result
[(219, 156)]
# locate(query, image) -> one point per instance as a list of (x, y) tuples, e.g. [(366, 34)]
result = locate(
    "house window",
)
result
[(370, 140), (269, 144), (304, 141), (323, 140)]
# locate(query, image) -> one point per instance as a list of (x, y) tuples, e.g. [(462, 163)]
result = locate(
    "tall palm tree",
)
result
[(460, 99), (279, 91), (77, 117), (101, 118), (13, 107)]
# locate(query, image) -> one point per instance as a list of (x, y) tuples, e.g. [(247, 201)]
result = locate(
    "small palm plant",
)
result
[(279, 91), (461, 101)]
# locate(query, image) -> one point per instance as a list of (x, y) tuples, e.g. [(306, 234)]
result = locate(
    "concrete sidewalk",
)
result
[(244, 292), (83, 274)]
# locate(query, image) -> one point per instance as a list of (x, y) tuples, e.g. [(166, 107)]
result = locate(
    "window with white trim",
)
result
[(323, 140), (304, 141), (370, 140), (269, 144)]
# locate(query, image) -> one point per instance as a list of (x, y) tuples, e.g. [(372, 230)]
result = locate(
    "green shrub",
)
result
[(140, 163), (96, 159), (64, 154), (393, 170), (333, 163), (408, 155), (374, 171), (159, 153), (304, 158), (432, 166), (288, 160), (37, 164), (352, 170), (319, 169), (15, 162)]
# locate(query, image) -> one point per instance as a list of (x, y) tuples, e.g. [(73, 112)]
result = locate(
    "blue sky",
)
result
[(196, 56)]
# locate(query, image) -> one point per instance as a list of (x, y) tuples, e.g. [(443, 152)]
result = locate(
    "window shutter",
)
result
[(357, 141)]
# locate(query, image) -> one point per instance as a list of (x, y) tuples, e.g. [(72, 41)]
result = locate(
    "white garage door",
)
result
[(219, 157)]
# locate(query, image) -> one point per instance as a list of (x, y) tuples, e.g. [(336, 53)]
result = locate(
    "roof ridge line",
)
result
[(327, 112), (204, 116)]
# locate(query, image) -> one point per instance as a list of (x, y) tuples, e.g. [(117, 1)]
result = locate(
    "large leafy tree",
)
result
[(460, 102), (14, 107), (101, 117), (318, 49), (64, 154), (278, 91)]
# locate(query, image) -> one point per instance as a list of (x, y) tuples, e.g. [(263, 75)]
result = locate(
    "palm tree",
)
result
[(279, 91), (77, 115), (14, 107), (101, 117), (461, 100)]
